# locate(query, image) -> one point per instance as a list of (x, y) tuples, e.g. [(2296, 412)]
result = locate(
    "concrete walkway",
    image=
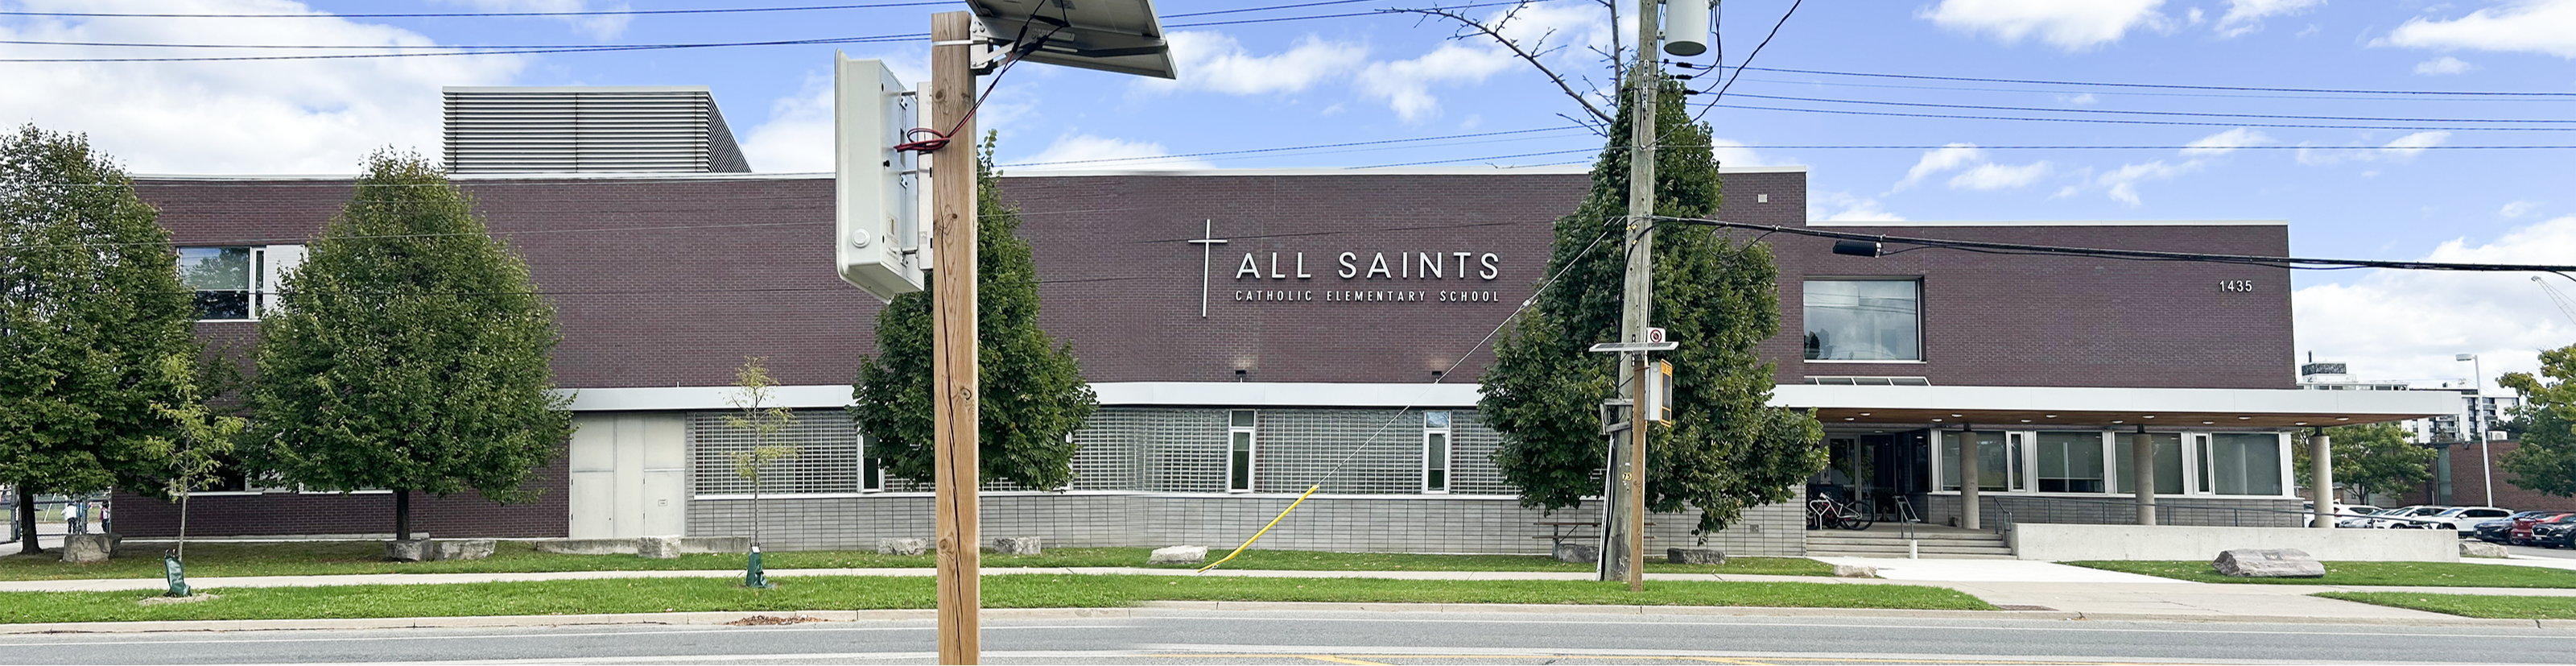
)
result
[(2013, 584)]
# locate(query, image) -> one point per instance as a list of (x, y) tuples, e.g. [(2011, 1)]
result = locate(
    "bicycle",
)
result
[(1823, 512)]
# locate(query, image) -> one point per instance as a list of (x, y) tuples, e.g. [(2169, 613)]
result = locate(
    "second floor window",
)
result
[(236, 283), (1864, 320)]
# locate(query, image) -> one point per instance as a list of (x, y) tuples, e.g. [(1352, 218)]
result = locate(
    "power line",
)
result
[(2135, 255), (2160, 85), (1757, 50), (2106, 121), (604, 12), (2375, 119)]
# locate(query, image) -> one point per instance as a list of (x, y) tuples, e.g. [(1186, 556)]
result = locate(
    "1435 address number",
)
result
[(2238, 286)]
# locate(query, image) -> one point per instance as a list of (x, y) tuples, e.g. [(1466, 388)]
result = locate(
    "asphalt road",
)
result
[(1309, 637), (2536, 551)]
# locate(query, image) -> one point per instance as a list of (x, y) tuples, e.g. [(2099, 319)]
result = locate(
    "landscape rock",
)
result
[(89, 548), (585, 546), (2268, 563), (1027, 545), (699, 545), (1178, 555), (902, 546), (1855, 571), (2481, 549), (1694, 556), (461, 549), (658, 547), (1578, 553), (408, 550)]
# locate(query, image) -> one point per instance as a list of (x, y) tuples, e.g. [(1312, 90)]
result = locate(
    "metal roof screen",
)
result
[(663, 129)]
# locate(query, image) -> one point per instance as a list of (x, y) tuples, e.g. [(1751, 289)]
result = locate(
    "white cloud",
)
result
[(2531, 26), (798, 136), (2244, 16), (2073, 26), (2377, 322), (1843, 207), (1405, 85), (1733, 153), (2225, 142), (2443, 65), (1216, 62), (2085, 99), (1084, 148), (1992, 176), (249, 117), (1948, 157), (2518, 209), (2122, 183), (603, 26), (2400, 150)]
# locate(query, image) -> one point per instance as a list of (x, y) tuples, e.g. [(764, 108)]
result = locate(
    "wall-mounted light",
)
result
[(1856, 248)]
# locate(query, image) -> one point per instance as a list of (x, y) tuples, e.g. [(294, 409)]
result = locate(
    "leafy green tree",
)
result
[(200, 440), (761, 420), (2374, 458), (90, 303), (2546, 459), (1725, 450), (1034, 396), (410, 353)]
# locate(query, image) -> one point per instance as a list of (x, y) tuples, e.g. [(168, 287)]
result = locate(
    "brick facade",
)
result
[(2469, 483)]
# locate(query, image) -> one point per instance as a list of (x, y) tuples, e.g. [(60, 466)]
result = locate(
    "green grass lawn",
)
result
[(874, 592), (2471, 605), (2430, 574), (367, 557)]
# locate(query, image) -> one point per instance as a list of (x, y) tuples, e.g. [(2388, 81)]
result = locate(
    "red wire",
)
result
[(940, 139)]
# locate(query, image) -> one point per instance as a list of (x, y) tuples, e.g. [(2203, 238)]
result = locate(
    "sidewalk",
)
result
[(2013, 584)]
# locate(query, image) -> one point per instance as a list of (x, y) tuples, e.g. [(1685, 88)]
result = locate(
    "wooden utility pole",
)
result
[(1626, 530), (953, 346)]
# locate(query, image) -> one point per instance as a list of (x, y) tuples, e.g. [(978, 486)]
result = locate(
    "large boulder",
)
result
[(2481, 549), (89, 548), (1694, 556), (408, 550), (2268, 563), (1578, 553), (1178, 555), (1027, 545), (658, 547), (898, 546), (462, 549), (1855, 571)]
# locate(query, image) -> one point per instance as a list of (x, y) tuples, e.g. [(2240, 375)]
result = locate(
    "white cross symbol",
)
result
[(1207, 243)]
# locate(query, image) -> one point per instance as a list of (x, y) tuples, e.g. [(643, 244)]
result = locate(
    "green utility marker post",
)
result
[(178, 576), (751, 577)]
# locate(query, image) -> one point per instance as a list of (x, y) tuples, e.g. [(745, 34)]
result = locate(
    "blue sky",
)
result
[(2362, 193)]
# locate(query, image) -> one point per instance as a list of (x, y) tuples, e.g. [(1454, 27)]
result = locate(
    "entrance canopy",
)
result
[(2093, 407)]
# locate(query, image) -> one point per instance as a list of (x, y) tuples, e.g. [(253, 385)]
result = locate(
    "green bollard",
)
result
[(171, 568), (751, 577)]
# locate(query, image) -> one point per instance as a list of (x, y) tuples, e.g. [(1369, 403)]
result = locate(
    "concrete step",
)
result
[(1901, 548)]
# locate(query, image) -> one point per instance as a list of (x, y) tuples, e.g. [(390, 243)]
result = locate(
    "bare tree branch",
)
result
[(1529, 55)]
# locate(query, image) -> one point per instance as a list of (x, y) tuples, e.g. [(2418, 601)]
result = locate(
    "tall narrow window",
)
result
[(1998, 456), (871, 469), (1435, 452), (2245, 463), (1864, 320), (1238, 458)]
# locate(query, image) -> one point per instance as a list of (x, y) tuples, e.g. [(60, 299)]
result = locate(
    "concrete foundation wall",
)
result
[(1415, 524), (2060, 542)]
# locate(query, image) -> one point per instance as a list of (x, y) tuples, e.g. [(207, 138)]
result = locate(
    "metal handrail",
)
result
[(1905, 517), (2236, 516)]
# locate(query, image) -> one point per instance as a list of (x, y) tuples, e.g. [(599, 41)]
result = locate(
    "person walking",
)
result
[(73, 521)]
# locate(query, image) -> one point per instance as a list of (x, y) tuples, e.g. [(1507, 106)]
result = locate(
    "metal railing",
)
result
[(1905, 517), (2111, 511)]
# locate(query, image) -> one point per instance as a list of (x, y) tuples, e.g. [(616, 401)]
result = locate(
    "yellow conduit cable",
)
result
[(1265, 529)]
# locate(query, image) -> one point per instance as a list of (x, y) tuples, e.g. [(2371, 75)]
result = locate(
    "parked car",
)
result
[(2461, 519), (2522, 534), (2561, 534), (2390, 517), (2497, 531)]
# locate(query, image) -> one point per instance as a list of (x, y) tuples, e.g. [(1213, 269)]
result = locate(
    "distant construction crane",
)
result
[(2565, 305)]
